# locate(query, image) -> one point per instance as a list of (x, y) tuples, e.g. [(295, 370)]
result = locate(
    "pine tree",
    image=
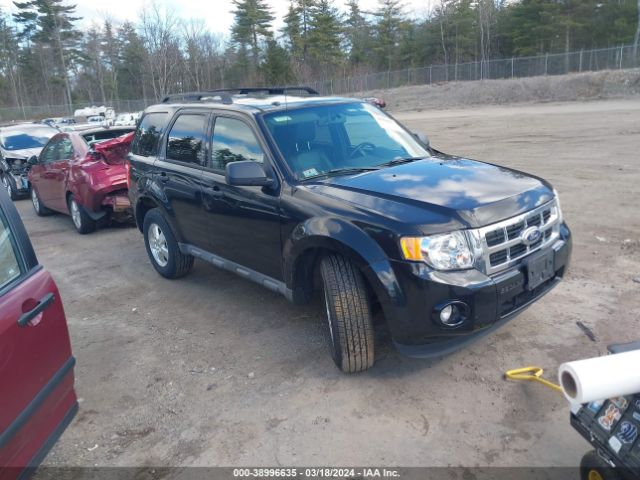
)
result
[(325, 37), (387, 32), (252, 25), (357, 34), (111, 50), (50, 23), (131, 69), (292, 31), (276, 67), (9, 68)]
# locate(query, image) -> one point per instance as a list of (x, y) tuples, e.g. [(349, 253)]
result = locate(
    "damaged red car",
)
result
[(83, 174)]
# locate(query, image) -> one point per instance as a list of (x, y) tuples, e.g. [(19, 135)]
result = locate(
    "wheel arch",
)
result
[(143, 205), (317, 237)]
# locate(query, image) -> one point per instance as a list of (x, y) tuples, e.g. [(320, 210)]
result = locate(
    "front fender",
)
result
[(349, 240)]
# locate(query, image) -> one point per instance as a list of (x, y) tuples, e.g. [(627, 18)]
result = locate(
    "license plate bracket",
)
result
[(540, 268)]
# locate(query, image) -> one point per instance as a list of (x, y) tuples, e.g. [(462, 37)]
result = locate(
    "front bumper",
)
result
[(20, 182), (492, 301)]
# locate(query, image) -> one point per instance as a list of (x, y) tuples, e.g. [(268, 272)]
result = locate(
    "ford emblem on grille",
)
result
[(531, 235)]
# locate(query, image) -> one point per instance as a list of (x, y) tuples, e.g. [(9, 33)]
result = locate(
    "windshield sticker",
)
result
[(285, 118), (312, 172)]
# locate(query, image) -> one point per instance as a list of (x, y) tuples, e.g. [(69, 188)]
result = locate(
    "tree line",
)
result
[(47, 57)]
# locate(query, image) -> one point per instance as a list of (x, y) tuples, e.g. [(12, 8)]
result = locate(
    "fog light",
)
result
[(445, 314), (452, 315)]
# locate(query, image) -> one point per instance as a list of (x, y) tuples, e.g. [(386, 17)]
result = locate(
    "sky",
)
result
[(216, 13)]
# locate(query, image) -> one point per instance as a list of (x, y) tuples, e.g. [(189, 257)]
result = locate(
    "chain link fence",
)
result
[(622, 57), (615, 58), (45, 111)]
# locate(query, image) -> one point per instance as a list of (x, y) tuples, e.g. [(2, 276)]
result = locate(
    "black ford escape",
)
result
[(300, 192)]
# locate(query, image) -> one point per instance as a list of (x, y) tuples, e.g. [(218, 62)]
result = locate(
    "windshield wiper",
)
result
[(400, 160), (342, 171)]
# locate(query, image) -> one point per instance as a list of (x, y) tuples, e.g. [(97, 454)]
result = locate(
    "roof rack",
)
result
[(267, 90), (220, 96), (223, 95)]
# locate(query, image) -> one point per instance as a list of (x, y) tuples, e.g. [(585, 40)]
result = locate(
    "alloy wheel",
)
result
[(75, 214), (34, 200), (158, 245)]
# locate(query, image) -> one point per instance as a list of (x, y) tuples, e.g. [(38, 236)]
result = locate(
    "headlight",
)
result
[(449, 251), (555, 192)]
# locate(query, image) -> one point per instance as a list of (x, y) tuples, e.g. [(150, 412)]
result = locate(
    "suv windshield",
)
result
[(326, 139), (21, 139)]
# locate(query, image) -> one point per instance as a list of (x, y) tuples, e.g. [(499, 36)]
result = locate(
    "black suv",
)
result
[(300, 193)]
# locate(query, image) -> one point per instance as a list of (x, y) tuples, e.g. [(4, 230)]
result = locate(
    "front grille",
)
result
[(502, 243), (514, 231)]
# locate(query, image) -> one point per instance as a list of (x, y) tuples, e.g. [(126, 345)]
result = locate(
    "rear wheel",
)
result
[(81, 219), (348, 315), (38, 206), (162, 247), (593, 467), (6, 184)]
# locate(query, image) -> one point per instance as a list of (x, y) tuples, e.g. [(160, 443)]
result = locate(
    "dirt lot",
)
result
[(214, 370), (587, 86)]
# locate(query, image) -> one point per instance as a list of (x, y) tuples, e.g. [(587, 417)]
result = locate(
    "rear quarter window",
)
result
[(147, 138)]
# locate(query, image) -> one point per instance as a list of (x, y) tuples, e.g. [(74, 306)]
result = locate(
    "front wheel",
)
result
[(348, 315), (6, 184), (162, 247), (81, 219)]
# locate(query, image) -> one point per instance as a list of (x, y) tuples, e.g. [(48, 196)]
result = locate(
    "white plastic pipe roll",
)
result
[(601, 378)]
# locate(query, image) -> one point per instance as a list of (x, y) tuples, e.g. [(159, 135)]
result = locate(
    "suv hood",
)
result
[(23, 154), (467, 192)]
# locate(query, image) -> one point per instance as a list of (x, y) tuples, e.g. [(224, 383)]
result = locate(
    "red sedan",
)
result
[(83, 174)]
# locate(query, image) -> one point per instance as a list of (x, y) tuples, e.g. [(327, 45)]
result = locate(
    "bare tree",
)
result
[(158, 28)]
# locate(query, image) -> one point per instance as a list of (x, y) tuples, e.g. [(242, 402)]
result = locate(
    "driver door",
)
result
[(243, 223)]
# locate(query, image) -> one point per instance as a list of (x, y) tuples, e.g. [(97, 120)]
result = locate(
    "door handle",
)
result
[(164, 178), (40, 307)]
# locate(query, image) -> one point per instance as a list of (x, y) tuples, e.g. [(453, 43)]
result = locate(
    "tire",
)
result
[(6, 184), (593, 467), (348, 315), (81, 220), (162, 247), (38, 206)]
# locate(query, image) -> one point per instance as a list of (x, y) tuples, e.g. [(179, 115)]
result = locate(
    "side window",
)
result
[(233, 141), (49, 152), (65, 149), (9, 264), (147, 137), (186, 139)]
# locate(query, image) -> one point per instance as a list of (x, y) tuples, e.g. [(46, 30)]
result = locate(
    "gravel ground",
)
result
[(608, 84), (214, 370)]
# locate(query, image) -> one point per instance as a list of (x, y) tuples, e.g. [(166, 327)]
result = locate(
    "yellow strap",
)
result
[(534, 374)]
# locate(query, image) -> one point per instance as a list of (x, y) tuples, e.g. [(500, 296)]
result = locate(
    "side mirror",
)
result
[(246, 173), (32, 160), (422, 138)]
